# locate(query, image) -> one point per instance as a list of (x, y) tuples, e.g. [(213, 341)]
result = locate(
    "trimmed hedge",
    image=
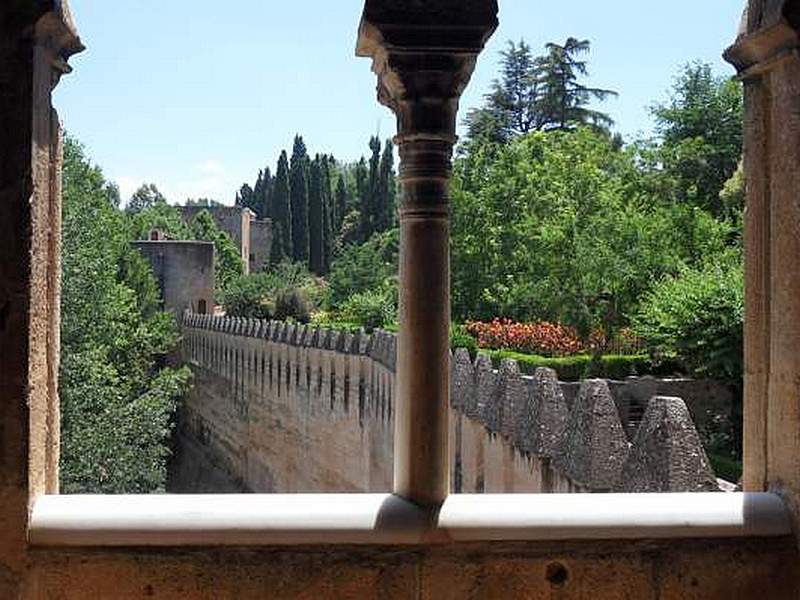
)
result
[(582, 366)]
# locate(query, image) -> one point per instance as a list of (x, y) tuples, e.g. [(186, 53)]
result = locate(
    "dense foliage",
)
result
[(287, 291), (319, 205), (555, 226), (117, 398), (698, 316), (538, 93)]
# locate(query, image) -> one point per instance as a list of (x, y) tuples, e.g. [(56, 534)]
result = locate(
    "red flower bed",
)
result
[(546, 339)]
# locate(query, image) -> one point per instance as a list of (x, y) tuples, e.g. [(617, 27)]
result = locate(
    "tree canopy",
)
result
[(118, 401)]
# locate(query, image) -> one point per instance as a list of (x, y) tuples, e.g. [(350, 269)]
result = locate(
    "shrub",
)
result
[(460, 338), (249, 296), (288, 291), (359, 268), (581, 366), (372, 309), (547, 339), (698, 317), (292, 303)]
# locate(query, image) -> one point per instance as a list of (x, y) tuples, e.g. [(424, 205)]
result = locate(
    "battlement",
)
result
[(270, 390)]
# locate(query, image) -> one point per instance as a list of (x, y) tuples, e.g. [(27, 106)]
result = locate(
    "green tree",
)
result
[(117, 401), (147, 196), (299, 199), (387, 189), (205, 202), (564, 100), (512, 106), (697, 316), (701, 135), (536, 93), (554, 226), (228, 264), (327, 214), (363, 267), (159, 216), (282, 246), (316, 218), (246, 198), (342, 200)]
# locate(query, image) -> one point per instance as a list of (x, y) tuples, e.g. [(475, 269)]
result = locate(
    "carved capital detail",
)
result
[(423, 54)]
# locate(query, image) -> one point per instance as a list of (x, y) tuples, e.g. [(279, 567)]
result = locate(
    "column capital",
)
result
[(424, 56), (768, 33)]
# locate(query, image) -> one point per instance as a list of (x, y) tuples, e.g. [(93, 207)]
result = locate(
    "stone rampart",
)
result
[(279, 407)]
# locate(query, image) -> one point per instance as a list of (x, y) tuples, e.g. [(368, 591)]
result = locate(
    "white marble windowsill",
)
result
[(383, 519)]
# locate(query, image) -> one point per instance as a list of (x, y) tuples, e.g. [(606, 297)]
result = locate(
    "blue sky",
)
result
[(197, 96)]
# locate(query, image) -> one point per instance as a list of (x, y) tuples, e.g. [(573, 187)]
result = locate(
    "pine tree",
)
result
[(299, 194), (564, 102), (538, 93), (282, 213), (316, 218)]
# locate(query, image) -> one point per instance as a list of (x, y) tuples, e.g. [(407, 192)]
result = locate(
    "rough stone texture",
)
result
[(690, 570), (260, 244), (185, 273), (289, 415), (594, 447), (487, 392), (766, 57), (705, 398), (686, 570), (253, 237), (667, 453), (545, 420), (462, 388)]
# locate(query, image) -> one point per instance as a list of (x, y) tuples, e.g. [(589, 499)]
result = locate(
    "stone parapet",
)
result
[(544, 444)]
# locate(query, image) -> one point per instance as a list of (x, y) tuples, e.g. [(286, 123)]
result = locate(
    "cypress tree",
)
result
[(341, 202), (245, 197), (299, 196), (362, 186), (316, 219), (266, 194), (371, 199), (387, 189), (282, 213), (327, 216)]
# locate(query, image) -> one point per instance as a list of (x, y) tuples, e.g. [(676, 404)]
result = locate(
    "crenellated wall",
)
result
[(285, 408)]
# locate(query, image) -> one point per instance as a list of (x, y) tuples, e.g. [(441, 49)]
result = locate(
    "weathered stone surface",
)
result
[(667, 454), (487, 410), (595, 447), (513, 398), (462, 387), (543, 422)]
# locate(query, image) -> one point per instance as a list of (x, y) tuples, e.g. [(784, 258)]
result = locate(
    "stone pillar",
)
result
[(424, 56), (36, 38), (766, 56)]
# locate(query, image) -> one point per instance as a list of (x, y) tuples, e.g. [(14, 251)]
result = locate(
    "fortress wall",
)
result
[(286, 408)]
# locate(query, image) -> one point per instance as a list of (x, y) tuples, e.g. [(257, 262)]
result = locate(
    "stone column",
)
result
[(35, 41), (766, 56), (423, 57)]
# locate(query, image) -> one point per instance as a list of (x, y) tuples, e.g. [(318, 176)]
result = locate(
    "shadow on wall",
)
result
[(287, 408)]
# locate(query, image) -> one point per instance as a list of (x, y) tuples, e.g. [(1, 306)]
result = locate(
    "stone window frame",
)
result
[(422, 66)]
